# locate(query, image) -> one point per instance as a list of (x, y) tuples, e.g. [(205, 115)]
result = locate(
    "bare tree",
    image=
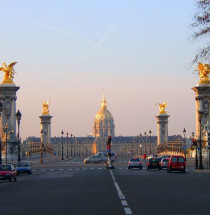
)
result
[(201, 25)]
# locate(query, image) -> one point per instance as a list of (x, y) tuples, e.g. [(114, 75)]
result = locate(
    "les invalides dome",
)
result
[(104, 122)]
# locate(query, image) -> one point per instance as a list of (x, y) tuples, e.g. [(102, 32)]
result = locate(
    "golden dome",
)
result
[(103, 113)]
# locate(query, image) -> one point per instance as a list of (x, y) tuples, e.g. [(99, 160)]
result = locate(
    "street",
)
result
[(72, 187)]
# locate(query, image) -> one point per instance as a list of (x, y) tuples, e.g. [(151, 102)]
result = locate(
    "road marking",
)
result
[(60, 169), (52, 169), (121, 196), (128, 211), (69, 169), (124, 203), (77, 169), (34, 170)]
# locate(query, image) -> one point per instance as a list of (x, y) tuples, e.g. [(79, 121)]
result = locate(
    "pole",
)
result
[(201, 163), (18, 136), (62, 158), (41, 149), (6, 147), (67, 156)]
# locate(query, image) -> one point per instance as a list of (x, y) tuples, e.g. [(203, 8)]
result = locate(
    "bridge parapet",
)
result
[(171, 148)]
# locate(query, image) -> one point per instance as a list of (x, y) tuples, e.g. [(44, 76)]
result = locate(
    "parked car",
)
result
[(176, 163), (153, 163), (93, 159), (134, 163), (104, 156), (23, 167), (8, 172), (164, 162)]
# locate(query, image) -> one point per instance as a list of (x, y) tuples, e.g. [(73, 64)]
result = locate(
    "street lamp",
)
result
[(200, 112), (71, 146), (1, 108), (145, 133), (150, 147), (67, 144), (62, 158), (41, 148), (196, 151), (184, 133), (140, 145), (18, 118), (5, 131)]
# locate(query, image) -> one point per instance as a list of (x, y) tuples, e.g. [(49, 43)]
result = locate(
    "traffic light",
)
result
[(109, 140), (194, 142)]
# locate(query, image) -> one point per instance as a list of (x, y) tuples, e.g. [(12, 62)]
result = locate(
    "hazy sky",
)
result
[(137, 52)]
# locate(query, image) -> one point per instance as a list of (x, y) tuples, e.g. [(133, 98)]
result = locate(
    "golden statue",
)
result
[(162, 108), (45, 109), (8, 73), (204, 71)]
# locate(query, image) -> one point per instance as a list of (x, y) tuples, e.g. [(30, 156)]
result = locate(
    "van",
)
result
[(176, 163), (104, 156)]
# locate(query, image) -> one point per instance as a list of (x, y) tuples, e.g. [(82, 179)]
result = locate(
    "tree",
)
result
[(201, 25)]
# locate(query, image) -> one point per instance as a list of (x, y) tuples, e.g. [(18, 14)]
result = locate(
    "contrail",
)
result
[(97, 45)]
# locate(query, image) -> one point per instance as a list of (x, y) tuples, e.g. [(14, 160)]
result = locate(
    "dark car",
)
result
[(23, 167), (153, 163), (8, 172), (134, 163)]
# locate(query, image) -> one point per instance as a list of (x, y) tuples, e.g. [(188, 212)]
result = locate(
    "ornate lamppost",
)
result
[(145, 151), (5, 131), (41, 148), (150, 144), (184, 133), (18, 118), (62, 158), (200, 112), (71, 145), (1, 108), (67, 144)]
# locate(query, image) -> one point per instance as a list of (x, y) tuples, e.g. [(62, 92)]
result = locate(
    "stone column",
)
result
[(202, 98), (162, 128), (46, 128), (8, 98)]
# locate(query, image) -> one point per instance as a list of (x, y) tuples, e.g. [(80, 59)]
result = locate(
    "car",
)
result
[(93, 159), (153, 163), (164, 162), (134, 163), (23, 167), (8, 172), (104, 156), (176, 163)]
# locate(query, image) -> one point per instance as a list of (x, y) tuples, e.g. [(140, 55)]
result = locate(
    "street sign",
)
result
[(184, 147), (108, 150), (199, 148)]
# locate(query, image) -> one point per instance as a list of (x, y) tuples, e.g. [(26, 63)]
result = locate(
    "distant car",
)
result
[(164, 162), (152, 156), (8, 172), (153, 163), (104, 156), (134, 163), (23, 167), (176, 163), (93, 159)]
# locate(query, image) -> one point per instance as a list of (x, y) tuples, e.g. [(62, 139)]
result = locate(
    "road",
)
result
[(72, 187)]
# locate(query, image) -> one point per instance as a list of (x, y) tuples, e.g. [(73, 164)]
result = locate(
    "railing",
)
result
[(171, 148)]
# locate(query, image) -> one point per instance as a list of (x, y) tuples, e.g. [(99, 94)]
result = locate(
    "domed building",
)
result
[(104, 122)]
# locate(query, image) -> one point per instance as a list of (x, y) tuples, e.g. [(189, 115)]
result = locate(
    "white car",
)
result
[(93, 159), (104, 156)]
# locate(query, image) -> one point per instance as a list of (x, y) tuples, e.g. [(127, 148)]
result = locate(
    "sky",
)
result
[(69, 52)]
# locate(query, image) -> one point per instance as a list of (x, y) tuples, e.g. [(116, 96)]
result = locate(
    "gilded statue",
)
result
[(204, 71), (8, 72), (162, 108), (45, 109)]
